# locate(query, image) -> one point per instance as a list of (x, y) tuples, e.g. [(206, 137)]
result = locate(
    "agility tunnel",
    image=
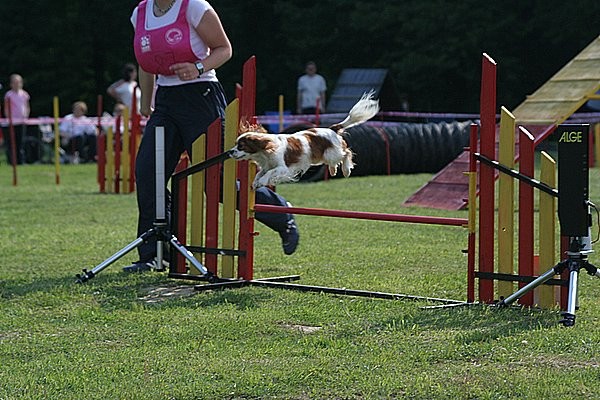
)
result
[(406, 147)]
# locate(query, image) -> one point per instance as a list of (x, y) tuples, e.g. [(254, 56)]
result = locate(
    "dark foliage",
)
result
[(74, 49)]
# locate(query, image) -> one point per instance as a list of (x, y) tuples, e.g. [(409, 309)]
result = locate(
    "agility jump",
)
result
[(573, 211), (485, 163), (207, 233)]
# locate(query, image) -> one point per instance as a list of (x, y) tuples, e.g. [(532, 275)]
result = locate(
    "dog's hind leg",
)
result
[(347, 164), (333, 169)]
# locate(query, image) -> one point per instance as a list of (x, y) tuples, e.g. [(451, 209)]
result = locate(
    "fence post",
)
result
[(506, 201), (526, 167), (597, 143), (56, 141), (547, 231), (125, 164), (486, 183), (197, 200), (247, 96), (110, 160), (229, 189)]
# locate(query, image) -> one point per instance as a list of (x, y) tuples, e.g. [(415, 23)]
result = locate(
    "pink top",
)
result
[(157, 49), (19, 106)]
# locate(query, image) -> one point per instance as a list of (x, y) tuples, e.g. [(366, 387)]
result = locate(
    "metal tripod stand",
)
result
[(577, 258), (160, 229)]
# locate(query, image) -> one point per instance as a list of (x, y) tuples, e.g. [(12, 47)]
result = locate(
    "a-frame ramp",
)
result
[(550, 105)]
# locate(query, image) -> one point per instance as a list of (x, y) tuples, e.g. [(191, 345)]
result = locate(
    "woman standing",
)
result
[(182, 43), (124, 89)]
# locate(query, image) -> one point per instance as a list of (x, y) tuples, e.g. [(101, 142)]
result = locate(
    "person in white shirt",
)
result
[(123, 89), (311, 91), (78, 134)]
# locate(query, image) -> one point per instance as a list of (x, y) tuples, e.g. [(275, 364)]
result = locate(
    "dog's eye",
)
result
[(246, 145), (243, 146)]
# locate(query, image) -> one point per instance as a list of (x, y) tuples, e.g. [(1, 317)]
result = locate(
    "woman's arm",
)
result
[(146, 86)]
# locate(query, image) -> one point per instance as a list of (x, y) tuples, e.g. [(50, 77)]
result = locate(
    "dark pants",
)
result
[(84, 145), (19, 151), (185, 111)]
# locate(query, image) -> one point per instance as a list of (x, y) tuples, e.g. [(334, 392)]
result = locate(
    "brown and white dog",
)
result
[(285, 157)]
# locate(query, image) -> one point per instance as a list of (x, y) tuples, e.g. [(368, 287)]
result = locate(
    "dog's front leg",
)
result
[(262, 178), (259, 174), (265, 179)]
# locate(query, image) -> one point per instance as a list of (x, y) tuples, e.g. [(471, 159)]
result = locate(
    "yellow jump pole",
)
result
[(506, 156), (197, 200), (597, 143), (125, 170), (280, 113), (229, 190), (56, 141), (547, 232)]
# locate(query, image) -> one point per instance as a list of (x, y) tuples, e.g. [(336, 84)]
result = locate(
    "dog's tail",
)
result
[(365, 109)]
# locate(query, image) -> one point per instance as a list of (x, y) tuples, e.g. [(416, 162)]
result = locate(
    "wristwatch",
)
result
[(200, 68)]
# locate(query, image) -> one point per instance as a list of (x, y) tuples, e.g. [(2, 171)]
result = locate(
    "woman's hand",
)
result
[(185, 71), (145, 110)]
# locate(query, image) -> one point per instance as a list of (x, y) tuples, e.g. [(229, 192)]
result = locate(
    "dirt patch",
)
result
[(163, 293), (302, 328)]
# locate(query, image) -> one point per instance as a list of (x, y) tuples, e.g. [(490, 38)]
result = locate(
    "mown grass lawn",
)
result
[(114, 337)]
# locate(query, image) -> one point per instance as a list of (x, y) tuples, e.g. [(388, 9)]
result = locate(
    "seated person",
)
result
[(78, 135), (110, 120)]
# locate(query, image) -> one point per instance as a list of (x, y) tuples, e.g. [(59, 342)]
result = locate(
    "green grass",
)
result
[(103, 340)]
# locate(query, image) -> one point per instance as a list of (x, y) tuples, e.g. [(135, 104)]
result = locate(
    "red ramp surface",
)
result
[(447, 190)]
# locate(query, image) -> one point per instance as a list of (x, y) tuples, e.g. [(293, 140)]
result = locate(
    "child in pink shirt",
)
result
[(16, 109)]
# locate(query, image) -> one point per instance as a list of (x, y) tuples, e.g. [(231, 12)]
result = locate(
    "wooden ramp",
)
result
[(550, 105)]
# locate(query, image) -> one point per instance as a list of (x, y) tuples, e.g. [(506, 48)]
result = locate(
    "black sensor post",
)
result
[(573, 179)]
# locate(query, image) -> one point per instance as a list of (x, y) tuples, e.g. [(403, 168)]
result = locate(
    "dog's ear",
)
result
[(257, 142), (246, 126)]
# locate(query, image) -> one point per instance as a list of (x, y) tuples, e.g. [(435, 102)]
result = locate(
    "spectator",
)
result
[(311, 91), (78, 135), (16, 108), (123, 89), (110, 120)]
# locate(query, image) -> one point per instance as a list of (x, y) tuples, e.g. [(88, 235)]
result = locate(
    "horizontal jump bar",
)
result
[(417, 219), (201, 166), (518, 278), (517, 175), (349, 292)]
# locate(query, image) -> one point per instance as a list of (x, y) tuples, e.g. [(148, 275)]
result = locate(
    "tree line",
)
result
[(74, 49)]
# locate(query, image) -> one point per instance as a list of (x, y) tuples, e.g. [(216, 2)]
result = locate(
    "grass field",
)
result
[(117, 337)]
